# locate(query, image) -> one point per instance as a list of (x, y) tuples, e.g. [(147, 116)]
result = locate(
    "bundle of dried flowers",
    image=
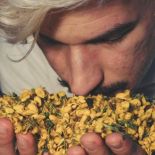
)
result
[(58, 121)]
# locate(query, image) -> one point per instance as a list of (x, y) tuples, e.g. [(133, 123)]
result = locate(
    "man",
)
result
[(96, 48)]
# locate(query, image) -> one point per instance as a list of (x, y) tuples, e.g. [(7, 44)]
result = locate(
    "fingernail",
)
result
[(90, 146), (3, 130), (117, 144), (21, 142)]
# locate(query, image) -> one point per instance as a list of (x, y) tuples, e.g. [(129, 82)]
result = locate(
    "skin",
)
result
[(105, 63), (84, 64)]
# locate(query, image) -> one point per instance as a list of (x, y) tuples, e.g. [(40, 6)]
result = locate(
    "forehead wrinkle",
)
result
[(73, 23), (74, 15), (73, 18)]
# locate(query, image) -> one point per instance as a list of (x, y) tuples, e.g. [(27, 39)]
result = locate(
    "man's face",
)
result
[(99, 46)]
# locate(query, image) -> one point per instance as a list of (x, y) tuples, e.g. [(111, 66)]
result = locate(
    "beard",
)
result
[(104, 90)]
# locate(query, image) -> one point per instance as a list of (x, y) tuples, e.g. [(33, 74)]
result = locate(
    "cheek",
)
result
[(126, 64), (121, 64), (57, 60)]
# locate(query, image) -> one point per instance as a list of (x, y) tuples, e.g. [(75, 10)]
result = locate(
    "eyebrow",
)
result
[(116, 32), (48, 39)]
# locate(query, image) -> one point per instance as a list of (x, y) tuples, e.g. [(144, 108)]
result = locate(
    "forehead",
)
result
[(89, 21)]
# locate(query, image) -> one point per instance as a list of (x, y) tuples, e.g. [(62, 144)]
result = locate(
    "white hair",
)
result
[(21, 18)]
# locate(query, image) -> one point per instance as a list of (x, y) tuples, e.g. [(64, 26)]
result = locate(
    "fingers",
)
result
[(76, 150), (6, 137), (46, 153), (26, 144), (122, 146), (93, 144)]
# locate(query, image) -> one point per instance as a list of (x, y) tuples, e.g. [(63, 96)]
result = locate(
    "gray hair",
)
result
[(21, 18)]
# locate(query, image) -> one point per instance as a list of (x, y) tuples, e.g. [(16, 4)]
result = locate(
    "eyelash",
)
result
[(48, 41), (110, 41), (117, 39)]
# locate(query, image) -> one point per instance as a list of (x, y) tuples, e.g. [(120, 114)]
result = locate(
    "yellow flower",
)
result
[(62, 93), (18, 126), (44, 134), (135, 102), (35, 130), (38, 117), (57, 140), (69, 132), (30, 109), (141, 131), (25, 95), (152, 146), (81, 112), (40, 92), (128, 116), (59, 129), (66, 109), (19, 108), (123, 95), (37, 99), (153, 114), (9, 110), (53, 118)]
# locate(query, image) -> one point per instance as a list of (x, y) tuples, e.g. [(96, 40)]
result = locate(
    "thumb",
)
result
[(121, 145)]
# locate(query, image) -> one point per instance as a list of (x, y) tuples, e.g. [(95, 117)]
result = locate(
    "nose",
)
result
[(85, 72)]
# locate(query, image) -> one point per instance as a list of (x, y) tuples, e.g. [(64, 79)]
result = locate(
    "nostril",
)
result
[(74, 88), (64, 84)]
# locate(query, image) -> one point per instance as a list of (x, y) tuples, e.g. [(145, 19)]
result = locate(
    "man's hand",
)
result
[(114, 144), (92, 143), (25, 143)]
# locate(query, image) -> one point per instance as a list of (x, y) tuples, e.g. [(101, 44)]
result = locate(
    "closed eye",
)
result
[(114, 35), (48, 40)]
